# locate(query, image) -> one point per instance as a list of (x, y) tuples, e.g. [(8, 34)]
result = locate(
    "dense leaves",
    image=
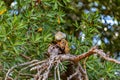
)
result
[(27, 27)]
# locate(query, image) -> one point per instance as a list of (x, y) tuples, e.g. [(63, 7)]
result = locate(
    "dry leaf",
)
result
[(58, 20), (40, 29), (2, 11)]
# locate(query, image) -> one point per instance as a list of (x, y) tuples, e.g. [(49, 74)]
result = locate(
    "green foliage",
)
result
[(19, 34), (101, 69)]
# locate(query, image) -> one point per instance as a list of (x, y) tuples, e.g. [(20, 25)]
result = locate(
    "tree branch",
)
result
[(104, 56), (92, 51), (44, 67)]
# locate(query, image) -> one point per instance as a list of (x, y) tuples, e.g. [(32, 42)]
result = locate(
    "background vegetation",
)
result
[(27, 27)]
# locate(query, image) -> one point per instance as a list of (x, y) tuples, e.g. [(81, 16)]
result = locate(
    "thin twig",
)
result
[(71, 76), (55, 73), (11, 69), (58, 71), (26, 57), (104, 56), (84, 66)]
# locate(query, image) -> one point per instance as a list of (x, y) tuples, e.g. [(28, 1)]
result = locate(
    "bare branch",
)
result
[(11, 69), (92, 51), (24, 56), (44, 67), (104, 56), (84, 55)]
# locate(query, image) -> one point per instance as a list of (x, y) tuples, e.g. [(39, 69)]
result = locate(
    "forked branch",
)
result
[(44, 68)]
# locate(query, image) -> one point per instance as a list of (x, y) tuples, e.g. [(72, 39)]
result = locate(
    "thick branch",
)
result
[(84, 55), (92, 51), (44, 67)]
